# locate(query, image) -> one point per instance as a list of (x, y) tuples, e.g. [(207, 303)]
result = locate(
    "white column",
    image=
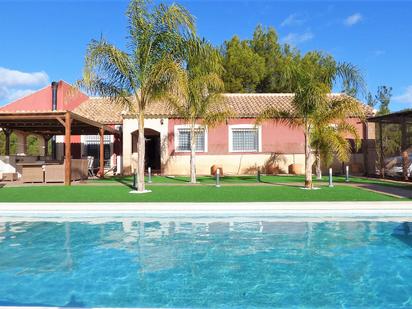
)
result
[(41, 143), (21, 143)]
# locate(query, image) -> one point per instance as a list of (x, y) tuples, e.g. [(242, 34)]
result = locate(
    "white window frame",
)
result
[(245, 126), (187, 126)]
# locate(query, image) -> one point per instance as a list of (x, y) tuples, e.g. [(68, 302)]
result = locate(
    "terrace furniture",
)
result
[(9, 176), (90, 161), (55, 172), (32, 172)]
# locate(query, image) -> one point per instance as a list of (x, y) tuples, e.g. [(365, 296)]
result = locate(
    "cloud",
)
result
[(293, 20), (379, 52), (297, 38), (353, 19), (16, 84), (406, 97)]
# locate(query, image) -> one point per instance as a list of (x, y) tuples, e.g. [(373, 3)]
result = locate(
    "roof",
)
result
[(243, 105), (396, 117), (68, 98), (50, 123)]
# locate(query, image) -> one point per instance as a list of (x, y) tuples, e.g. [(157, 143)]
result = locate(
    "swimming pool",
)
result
[(206, 262)]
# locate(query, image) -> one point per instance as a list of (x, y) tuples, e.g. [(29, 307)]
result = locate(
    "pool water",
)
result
[(215, 263)]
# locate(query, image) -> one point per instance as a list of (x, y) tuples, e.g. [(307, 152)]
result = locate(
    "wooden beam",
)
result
[(366, 148), (46, 138), (61, 121), (382, 162), (68, 157), (7, 133), (404, 152), (95, 124), (101, 161)]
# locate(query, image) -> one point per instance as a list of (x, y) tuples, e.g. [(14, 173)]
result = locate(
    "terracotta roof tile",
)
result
[(244, 105)]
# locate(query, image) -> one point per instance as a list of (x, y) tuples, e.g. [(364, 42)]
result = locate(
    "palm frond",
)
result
[(351, 76)]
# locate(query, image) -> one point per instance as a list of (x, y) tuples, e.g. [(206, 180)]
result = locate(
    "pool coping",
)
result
[(326, 209)]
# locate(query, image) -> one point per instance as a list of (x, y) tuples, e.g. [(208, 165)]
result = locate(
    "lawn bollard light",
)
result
[(217, 178), (149, 171), (330, 178), (258, 176), (347, 173)]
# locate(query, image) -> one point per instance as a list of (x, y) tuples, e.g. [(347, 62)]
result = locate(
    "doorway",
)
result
[(153, 148)]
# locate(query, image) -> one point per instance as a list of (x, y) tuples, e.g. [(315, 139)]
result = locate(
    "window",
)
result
[(244, 138), (182, 140), (92, 143)]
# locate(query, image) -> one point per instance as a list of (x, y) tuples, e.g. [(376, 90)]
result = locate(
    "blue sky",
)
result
[(43, 41)]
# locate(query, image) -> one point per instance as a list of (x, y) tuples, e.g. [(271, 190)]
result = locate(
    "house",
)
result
[(239, 145)]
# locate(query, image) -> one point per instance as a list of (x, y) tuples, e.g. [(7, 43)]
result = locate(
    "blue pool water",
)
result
[(215, 263)]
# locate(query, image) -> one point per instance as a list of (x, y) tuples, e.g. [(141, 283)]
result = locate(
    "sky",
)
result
[(43, 41)]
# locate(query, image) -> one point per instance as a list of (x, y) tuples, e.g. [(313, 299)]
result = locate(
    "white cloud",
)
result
[(406, 97), (293, 20), (297, 38), (379, 52), (16, 84), (353, 19)]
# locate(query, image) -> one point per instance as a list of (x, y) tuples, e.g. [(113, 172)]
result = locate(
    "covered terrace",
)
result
[(394, 132), (52, 123)]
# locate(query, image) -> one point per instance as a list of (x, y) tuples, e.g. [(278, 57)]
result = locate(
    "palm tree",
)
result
[(201, 104), (331, 129), (149, 70), (311, 78)]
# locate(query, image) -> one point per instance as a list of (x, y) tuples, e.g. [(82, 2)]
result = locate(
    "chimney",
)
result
[(54, 86)]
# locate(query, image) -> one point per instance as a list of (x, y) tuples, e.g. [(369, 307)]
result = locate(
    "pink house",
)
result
[(239, 146)]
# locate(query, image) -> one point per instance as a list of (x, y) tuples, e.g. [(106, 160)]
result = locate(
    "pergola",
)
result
[(50, 123), (403, 118)]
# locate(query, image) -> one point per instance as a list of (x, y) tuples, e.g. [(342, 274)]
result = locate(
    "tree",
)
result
[(383, 96), (265, 44), (244, 68), (312, 78), (13, 143), (370, 100), (331, 128), (347, 89), (149, 70), (201, 104)]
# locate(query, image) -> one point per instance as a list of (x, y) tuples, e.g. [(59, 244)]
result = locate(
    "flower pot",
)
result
[(214, 168), (272, 169), (296, 169)]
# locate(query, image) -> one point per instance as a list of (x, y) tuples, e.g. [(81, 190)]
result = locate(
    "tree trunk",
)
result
[(308, 159), (318, 166), (192, 154), (141, 155)]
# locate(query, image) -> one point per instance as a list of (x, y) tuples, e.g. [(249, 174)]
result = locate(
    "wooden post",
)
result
[(7, 133), (366, 148), (101, 161), (68, 150), (46, 146), (404, 153), (382, 163)]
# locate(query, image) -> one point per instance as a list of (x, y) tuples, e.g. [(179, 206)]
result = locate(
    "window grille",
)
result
[(245, 139), (183, 143), (95, 139)]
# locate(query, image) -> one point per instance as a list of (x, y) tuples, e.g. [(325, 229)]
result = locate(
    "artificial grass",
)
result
[(171, 193)]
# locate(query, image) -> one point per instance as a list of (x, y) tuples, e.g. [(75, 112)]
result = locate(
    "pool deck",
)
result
[(279, 209)]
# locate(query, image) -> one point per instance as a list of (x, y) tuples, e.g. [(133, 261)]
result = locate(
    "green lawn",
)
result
[(118, 193)]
